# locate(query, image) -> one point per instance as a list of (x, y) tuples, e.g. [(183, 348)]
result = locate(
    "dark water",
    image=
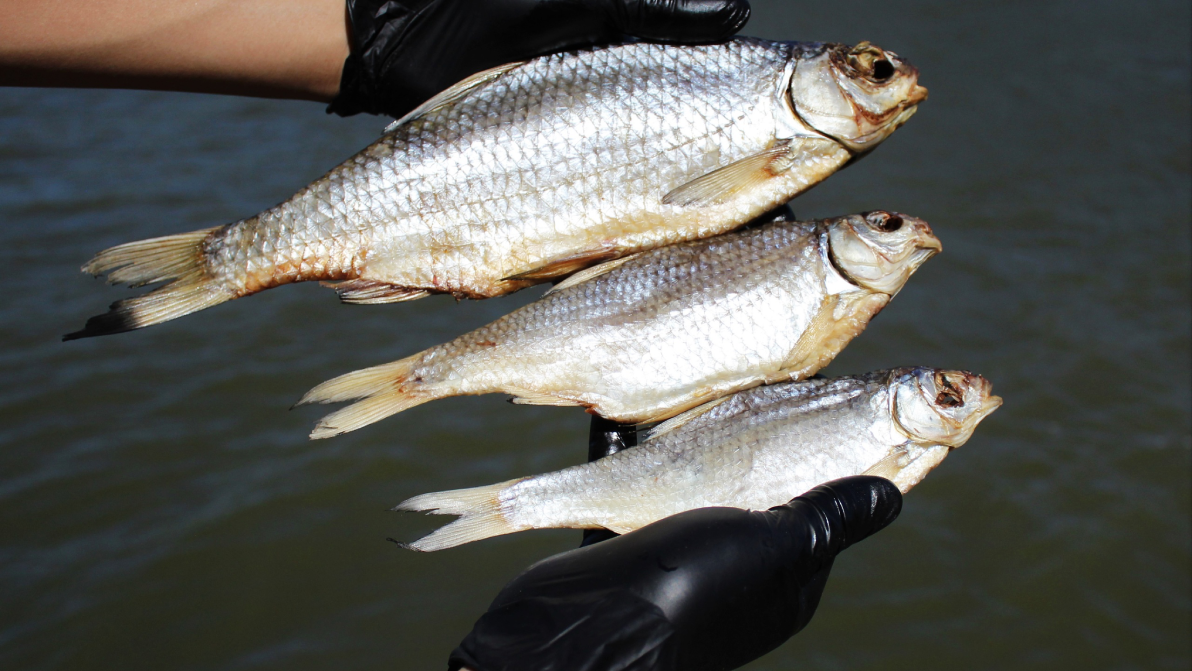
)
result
[(159, 508)]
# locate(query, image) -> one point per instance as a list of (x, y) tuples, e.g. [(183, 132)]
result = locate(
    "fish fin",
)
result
[(833, 327), (373, 292), (590, 273), (362, 383), (725, 183), (454, 92), (695, 402), (480, 514), (527, 397), (889, 466), (180, 259), (682, 418), (618, 529), (907, 465), (920, 465), (385, 389), (367, 411), (565, 266)]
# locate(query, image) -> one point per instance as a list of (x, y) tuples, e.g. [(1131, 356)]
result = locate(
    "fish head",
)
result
[(941, 407), (880, 250), (856, 95)]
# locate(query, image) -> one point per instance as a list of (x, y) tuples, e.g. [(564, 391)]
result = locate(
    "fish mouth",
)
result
[(866, 143), (990, 404), (927, 247), (989, 401), (917, 95)]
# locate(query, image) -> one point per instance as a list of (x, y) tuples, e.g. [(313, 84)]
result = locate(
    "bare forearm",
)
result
[(274, 48)]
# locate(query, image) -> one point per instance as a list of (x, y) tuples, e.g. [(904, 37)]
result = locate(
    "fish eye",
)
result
[(883, 70), (949, 396), (948, 399), (884, 221)]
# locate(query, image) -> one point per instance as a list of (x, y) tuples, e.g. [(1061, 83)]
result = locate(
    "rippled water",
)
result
[(159, 508)]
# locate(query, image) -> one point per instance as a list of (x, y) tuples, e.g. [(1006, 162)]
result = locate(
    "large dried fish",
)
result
[(646, 337), (756, 449), (534, 170)]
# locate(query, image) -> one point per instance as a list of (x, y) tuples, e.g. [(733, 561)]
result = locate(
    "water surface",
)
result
[(160, 508)]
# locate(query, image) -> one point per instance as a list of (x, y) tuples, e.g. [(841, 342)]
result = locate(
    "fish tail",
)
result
[(178, 259), (480, 514), (386, 390)]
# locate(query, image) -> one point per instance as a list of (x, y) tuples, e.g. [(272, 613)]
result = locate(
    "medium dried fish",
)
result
[(756, 449), (534, 170), (646, 337)]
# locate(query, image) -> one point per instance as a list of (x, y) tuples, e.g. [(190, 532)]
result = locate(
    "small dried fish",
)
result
[(756, 449), (477, 192), (648, 336)]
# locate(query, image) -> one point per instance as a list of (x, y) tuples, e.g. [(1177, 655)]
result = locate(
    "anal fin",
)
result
[(527, 397), (372, 292)]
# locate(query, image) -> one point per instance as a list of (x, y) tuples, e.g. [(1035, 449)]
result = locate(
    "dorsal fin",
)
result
[(565, 265), (589, 273), (681, 419), (454, 92)]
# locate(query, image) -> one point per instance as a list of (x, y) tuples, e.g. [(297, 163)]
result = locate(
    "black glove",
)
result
[(606, 437), (405, 51), (708, 589)]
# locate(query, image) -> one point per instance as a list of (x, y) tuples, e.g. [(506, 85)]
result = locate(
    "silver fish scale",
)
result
[(760, 448), (564, 155), (665, 329)]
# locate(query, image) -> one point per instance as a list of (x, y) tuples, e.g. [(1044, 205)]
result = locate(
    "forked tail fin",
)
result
[(178, 259), (480, 514), (385, 390)]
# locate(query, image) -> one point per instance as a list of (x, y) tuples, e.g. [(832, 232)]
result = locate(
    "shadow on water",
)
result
[(161, 509)]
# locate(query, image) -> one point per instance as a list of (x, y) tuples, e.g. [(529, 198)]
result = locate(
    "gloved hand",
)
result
[(405, 51), (606, 437), (708, 589)]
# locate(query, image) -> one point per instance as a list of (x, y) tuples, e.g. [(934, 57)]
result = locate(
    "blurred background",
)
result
[(160, 508)]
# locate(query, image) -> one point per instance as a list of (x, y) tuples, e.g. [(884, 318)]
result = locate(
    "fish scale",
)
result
[(644, 338), (705, 122), (755, 449), (524, 174)]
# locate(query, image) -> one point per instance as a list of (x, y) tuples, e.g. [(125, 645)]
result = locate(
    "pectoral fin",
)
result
[(907, 465), (838, 321), (890, 465), (734, 179)]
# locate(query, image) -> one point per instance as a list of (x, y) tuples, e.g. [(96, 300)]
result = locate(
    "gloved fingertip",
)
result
[(867, 503), (853, 508), (686, 20)]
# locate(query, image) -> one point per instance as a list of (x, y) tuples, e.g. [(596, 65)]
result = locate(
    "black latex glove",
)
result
[(708, 589), (606, 437), (405, 51)]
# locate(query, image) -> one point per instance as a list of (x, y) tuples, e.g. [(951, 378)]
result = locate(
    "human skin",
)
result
[(262, 48)]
